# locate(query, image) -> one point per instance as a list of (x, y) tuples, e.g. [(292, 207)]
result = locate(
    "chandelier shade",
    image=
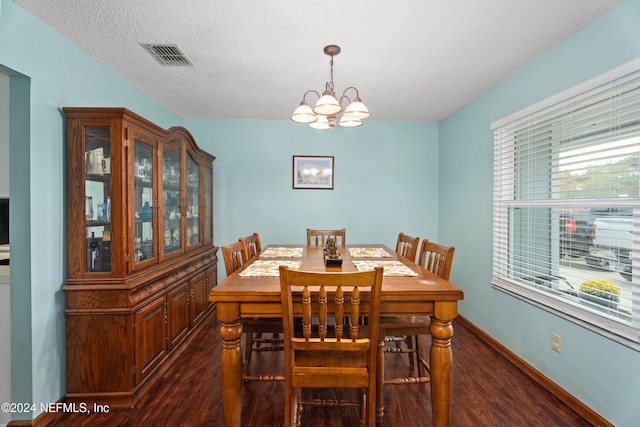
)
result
[(357, 109), (324, 114), (327, 105), (349, 122), (303, 114), (321, 123)]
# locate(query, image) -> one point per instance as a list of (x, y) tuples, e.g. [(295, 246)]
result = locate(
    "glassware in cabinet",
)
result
[(172, 197), (97, 198), (143, 203), (193, 202), (130, 185), (207, 208)]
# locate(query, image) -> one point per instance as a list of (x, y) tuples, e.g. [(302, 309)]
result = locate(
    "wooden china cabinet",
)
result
[(141, 258)]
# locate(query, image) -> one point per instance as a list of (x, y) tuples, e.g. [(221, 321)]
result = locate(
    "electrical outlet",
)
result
[(556, 342)]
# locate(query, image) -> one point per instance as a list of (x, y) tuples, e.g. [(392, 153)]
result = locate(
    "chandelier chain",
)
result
[(331, 74)]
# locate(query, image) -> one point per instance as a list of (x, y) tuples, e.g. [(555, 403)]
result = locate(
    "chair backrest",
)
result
[(252, 243), (436, 258), (337, 296), (319, 237), (235, 256), (407, 246)]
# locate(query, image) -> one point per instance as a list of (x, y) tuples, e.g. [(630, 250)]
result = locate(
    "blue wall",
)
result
[(431, 180), (385, 180), (466, 177)]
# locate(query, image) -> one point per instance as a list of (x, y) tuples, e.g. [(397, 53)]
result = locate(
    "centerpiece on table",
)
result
[(331, 254)]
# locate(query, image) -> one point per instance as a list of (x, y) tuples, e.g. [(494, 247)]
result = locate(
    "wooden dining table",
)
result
[(407, 290)]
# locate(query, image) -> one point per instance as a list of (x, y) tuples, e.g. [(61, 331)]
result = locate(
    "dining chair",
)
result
[(407, 246), (254, 248), (252, 243), (235, 256), (314, 358), (319, 237), (437, 259)]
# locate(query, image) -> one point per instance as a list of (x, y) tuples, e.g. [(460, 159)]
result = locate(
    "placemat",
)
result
[(391, 268), (278, 252), (261, 268), (369, 253)]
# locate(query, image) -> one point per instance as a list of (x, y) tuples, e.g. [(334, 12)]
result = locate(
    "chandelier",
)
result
[(325, 113)]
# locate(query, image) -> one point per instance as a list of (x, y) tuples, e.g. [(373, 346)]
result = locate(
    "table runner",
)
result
[(280, 252), (369, 253), (261, 268), (391, 268)]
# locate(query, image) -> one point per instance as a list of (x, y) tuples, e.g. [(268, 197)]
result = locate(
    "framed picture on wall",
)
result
[(313, 172)]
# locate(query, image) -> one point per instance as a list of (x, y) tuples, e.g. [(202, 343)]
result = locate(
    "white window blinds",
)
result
[(567, 203)]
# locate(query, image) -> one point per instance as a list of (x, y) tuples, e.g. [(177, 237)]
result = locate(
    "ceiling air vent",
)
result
[(167, 54)]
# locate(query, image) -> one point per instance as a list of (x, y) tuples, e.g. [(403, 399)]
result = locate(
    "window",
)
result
[(567, 204)]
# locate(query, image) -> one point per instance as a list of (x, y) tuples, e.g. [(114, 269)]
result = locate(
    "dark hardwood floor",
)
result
[(487, 391)]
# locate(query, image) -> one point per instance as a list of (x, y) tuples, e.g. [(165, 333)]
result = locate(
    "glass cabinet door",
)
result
[(193, 202), (143, 203), (207, 207), (171, 200), (98, 198)]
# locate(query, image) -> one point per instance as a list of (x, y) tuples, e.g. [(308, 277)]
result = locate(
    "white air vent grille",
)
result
[(167, 54)]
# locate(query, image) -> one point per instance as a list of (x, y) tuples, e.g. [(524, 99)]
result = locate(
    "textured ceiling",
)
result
[(416, 60)]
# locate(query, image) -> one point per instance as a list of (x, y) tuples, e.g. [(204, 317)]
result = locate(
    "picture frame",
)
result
[(312, 173)]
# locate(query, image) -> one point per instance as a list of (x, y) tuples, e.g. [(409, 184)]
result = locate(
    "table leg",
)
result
[(380, 380), (442, 362), (231, 363)]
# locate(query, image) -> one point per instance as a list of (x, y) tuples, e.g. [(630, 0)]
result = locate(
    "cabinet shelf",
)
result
[(146, 182), (96, 223), (171, 187), (98, 177)]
